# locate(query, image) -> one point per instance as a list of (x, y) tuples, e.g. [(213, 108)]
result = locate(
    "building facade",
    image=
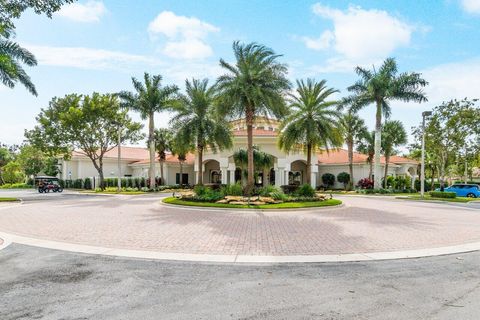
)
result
[(219, 167)]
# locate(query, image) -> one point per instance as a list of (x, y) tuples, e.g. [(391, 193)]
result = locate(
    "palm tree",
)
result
[(394, 135), (261, 161), (11, 71), (198, 124), (381, 87), (254, 85), (353, 129), (265, 163), (366, 146), (163, 139), (180, 148), (313, 121), (150, 97)]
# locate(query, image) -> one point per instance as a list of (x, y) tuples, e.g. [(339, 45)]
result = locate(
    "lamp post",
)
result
[(119, 182), (425, 114)]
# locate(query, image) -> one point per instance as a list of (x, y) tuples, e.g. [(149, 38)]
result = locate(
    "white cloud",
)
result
[(185, 35), (86, 58), (91, 11), (359, 36), (453, 81), (471, 6), (320, 43)]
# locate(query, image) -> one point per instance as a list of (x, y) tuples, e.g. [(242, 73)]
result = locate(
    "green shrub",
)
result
[(328, 179), (267, 190), (289, 188), (278, 195), (440, 194), (232, 189), (305, 190), (87, 184), (78, 184), (343, 177), (15, 186)]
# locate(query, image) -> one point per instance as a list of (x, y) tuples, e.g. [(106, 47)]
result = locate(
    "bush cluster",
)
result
[(328, 180), (232, 190), (365, 183), (444, 194)]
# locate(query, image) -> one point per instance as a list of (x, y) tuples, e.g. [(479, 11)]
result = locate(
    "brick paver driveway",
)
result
[(141, 222)]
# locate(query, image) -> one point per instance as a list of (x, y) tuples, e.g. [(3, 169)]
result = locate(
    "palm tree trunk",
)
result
[(181, 174), (265, 175), (350, 163), (151, 139), (370, 173), (387, 160), (200, 164), (378, 145), (162, 180), (250, 166), (309, 163)]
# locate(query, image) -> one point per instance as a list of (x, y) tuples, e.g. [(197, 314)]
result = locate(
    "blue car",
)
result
[(464, 190)]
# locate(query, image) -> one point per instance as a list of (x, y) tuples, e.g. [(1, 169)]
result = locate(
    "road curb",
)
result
[(237, 259)]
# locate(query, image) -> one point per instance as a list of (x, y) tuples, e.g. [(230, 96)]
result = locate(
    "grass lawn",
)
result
[(429, 198), (8, 199), (284, 205)]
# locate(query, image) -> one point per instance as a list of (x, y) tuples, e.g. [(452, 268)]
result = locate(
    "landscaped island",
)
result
[(268, 197)]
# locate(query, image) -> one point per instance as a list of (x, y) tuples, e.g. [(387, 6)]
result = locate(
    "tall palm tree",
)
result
[(11, 71), (163, 140), (381, 87), (313, 121), (150, 97), (254, 85), (394, 135), (353, 129), (196, 121)]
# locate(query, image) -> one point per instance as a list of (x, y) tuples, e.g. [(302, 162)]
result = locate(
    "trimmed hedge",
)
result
[(440, 194)]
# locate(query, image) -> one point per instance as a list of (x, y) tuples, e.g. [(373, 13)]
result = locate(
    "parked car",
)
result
[(464, 190)]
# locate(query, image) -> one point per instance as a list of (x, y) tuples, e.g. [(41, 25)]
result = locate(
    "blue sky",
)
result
[(99, 45)]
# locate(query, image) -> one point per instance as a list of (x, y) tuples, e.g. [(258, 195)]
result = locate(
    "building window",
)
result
[(184, 178)]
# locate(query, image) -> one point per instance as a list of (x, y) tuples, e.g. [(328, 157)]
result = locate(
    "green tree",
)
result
[(31, 159), (51, 167), (354, 129), (344, 177), (313, 121), (163, 139), (254, 85), (381, 88), (265, 163), (5, 157), (150, 97), (197, 123), (11, 70), (262, 161), (87, 124), (394, 135), (366, 146), (12, 172)]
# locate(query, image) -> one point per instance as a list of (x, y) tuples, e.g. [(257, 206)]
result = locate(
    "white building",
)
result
[(288, 168)]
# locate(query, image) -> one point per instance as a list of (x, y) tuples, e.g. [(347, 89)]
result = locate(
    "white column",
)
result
[(223, 170), (278, 177), (413, 181), (285, 179), (231, 169), (313, 175), (64, 170)]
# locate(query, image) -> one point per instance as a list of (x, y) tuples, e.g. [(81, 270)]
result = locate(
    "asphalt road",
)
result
[(38, 283)]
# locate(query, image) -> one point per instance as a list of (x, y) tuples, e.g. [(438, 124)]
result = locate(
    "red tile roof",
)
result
[(340, 156)]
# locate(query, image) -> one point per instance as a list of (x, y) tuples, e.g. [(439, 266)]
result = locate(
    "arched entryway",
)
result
[(298, 173), (212, 173)]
